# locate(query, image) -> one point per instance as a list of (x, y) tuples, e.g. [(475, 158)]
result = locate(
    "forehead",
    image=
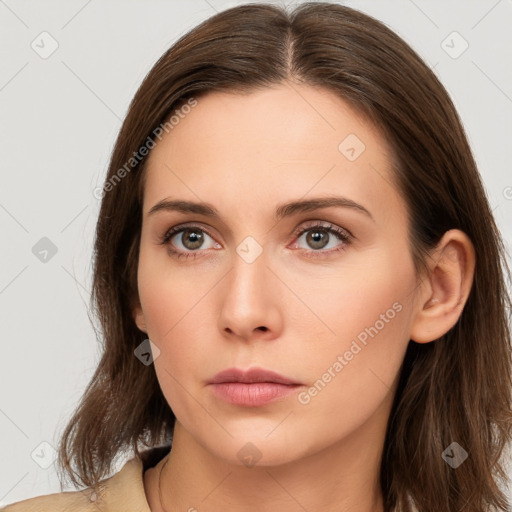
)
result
[(276, 143)]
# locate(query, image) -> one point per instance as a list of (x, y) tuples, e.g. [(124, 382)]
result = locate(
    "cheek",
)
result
[(173, 311), (355, 369), (338, 302), (175, 304), (169, 295)]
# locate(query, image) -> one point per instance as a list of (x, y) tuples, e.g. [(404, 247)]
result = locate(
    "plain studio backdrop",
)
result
[(69, 71)]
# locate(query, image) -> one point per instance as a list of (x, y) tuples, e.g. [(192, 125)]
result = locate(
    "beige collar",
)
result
[(125, 489)]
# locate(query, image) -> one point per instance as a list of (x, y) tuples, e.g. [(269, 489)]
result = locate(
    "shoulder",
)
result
[(79, 501), (122, 491)]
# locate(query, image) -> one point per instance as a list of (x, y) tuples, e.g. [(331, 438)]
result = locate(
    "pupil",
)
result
[(194, 237), (316, 238)]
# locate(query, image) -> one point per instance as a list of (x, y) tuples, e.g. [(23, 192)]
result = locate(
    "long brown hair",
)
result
[(455, 389)]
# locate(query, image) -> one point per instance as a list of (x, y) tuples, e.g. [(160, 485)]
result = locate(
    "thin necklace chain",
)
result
[(159, 482)]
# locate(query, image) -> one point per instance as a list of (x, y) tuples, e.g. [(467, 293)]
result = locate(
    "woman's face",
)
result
[(244, 287)]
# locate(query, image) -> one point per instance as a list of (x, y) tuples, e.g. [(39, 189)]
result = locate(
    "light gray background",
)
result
[(60, 117)]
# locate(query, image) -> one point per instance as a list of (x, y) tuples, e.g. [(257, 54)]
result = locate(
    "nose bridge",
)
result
[(249, 301), (248, 278)]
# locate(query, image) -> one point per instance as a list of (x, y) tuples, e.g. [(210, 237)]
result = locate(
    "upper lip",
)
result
[(251, 375)]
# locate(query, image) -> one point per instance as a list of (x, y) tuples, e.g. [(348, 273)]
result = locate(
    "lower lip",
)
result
[(252, 394)]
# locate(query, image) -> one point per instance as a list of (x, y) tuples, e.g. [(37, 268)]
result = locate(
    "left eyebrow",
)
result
[(283, 210), (316, 203)]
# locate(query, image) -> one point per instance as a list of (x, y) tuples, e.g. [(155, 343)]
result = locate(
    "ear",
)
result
[(443, 293), (139, 319)]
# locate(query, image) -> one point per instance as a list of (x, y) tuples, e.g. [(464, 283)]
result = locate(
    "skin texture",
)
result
[(245, 155)]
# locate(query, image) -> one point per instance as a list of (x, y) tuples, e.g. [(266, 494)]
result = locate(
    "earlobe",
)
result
[(444, 292), (138, 317)]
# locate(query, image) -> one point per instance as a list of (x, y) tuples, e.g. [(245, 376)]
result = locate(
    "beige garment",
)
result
[(124, 491)]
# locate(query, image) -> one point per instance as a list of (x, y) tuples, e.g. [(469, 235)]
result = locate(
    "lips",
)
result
[(254, 387), (252, 375)]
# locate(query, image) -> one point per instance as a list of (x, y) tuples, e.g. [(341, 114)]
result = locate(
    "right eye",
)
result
[(191, 238)]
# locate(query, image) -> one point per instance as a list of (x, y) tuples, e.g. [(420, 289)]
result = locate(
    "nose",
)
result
[(251, 305)]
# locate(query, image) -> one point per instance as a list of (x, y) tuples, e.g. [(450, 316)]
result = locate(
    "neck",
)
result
[(344, 477)]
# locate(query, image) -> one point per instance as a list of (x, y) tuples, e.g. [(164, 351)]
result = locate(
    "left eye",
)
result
[(319, 236)]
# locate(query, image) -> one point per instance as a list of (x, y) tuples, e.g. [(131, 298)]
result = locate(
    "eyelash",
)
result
[(332, 229)]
